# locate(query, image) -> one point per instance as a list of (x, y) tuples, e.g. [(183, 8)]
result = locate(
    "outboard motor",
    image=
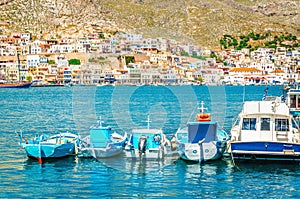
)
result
[(173, 143), (142, 145)]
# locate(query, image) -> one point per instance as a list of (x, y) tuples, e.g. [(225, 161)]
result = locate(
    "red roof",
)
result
[(245, 70)]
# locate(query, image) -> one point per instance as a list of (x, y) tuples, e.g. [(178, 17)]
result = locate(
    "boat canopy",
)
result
[(100, 136)]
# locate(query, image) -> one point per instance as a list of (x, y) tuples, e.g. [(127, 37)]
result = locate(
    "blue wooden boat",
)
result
[(102, 142), (149, 144), (265, 130), (50, 147), (201, 141)]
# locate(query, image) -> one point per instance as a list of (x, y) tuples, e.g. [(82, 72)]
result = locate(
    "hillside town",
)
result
[(130, 59)]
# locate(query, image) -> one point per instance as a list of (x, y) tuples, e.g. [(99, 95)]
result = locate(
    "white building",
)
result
[(33, 60)]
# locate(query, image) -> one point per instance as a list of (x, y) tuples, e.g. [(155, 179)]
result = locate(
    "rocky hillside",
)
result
[(201, 22)]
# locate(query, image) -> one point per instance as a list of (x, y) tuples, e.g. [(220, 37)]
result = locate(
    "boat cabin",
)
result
[(153, 137), (293, 101), (99, 136), (264, 121)]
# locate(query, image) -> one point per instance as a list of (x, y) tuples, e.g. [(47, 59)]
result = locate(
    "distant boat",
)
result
[(50, 147), (148, 144), (201, 141), (43, 84), (102, 142), (106, 84), (15, 85), (265, 130)]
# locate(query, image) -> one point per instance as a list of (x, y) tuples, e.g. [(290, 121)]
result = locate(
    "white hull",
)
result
[(99, 153), (102, 152), (199, 153)]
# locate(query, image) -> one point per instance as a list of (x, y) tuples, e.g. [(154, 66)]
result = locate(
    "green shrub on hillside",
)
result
[(74, 62)]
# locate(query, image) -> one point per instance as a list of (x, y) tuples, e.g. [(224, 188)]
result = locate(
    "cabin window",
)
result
[(265, 124), (281, 125), (249, 124), (293, 101)]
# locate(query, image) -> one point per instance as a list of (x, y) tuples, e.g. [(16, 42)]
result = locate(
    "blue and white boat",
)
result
[(102, 142), (148, 144), (201, 141), (50, 147), (265, 130)]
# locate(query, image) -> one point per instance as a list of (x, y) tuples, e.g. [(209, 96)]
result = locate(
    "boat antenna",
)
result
[(148, 121), (100, 122)]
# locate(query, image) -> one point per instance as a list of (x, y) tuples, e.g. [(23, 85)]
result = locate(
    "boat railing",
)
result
[(235, 121)]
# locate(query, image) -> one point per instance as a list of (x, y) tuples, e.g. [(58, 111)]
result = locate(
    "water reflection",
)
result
[(135, 166)]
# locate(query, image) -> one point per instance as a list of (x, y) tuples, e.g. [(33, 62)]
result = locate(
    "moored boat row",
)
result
[(264, 130), (143, 144)]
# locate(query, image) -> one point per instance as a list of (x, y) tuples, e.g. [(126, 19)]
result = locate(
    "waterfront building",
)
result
[(150, 76), (168, 77), (64, 74), (122, 77), (134, 75), (42, 70), (211, 76), (12, 72), (97, 74)]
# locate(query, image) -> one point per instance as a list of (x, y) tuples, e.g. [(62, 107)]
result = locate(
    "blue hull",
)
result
[(277, 151), (49, 151)]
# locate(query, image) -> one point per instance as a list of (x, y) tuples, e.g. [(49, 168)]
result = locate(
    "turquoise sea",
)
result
[(75, 109)]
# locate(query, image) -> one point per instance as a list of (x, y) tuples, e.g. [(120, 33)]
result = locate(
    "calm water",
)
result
[(75, 109)]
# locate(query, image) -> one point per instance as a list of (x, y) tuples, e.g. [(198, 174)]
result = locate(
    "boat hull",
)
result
[(21, 85), (201, 152), (272, 151), (100, 153), (112, 149), (49, 150)]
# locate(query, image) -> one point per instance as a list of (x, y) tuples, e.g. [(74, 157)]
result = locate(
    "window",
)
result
[(293, 101), (281, 125), (249, 124), (265, 124)]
